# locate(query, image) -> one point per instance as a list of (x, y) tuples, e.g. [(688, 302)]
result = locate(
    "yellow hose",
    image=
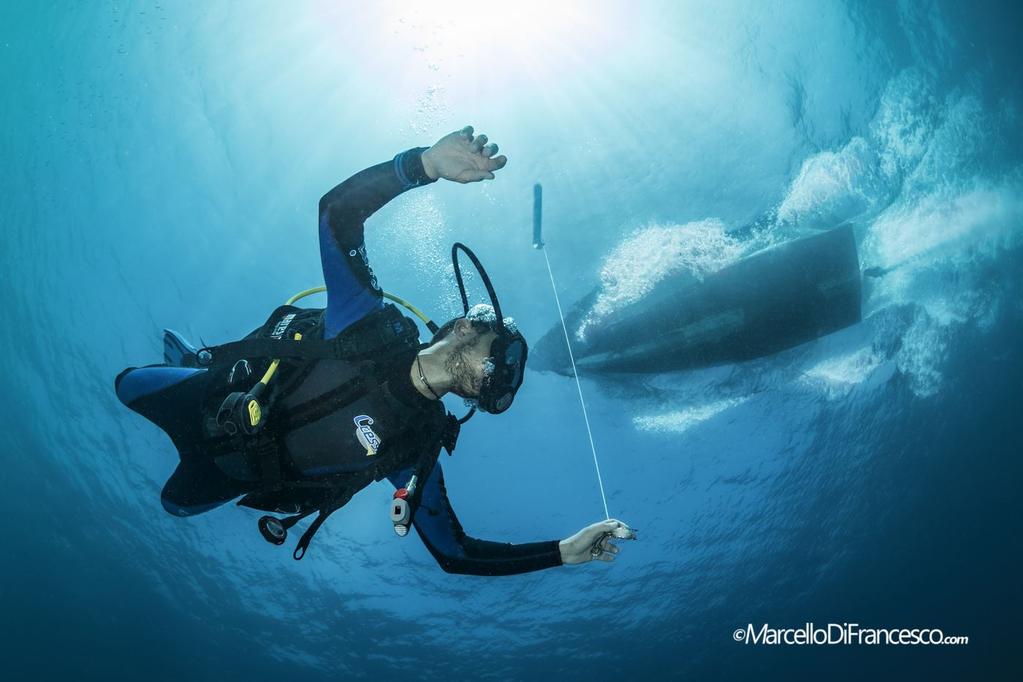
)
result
[(272, 369), (273, 366), (397, 299), (408, 306), (303, 294)]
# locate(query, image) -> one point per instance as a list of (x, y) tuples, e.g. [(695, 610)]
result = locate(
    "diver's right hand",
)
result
[(460, 157), (594, 542)]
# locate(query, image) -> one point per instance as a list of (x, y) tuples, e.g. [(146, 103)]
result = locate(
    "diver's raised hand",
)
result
[(460, 157), (594, 542)]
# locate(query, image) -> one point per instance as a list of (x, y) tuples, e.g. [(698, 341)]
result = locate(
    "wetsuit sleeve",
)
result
[(456, 552), (352, 288)]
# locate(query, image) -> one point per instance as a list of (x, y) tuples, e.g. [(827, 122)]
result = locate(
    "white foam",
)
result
[(947, 223), (862, 177), (903, 124), (851, 368), (838, 375), (923, 351), (935, 209), (640, 262), (683, 420), (833, 187)]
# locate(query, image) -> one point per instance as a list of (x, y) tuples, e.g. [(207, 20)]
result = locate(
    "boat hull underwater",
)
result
[(769, 301)]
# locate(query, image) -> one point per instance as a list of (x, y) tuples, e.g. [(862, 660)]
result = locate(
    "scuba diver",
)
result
[(316, 404)]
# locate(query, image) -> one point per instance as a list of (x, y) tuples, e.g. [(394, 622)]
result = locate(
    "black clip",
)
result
[(449, 436)]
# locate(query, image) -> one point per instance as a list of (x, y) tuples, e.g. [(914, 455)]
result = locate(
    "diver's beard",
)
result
[(464, 382)]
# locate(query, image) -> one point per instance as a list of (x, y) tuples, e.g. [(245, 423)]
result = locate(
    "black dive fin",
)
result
[(177, 352)]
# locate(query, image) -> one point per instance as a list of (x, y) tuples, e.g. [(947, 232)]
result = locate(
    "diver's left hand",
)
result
[(594, 542), (460, 157)]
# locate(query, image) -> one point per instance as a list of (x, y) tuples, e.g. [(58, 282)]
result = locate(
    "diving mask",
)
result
[(507, 357)]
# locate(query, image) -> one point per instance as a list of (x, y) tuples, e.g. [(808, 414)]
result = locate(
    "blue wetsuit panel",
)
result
[(352, 288), (348, 299)]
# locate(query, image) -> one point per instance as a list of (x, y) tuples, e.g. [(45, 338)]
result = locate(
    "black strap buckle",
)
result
[(449, 436)]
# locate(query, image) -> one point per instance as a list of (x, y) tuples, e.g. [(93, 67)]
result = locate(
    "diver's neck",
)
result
[(428, 374)]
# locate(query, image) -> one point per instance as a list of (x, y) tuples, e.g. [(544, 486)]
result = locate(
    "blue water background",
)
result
[(161, 168)]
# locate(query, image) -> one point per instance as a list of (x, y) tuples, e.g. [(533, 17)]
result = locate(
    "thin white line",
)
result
[(578, 385)]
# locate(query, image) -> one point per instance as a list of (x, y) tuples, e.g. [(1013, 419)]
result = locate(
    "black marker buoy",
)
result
[(537, 212)]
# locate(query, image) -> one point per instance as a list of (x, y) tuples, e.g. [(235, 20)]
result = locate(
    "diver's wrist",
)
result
[(428, 168), (565, 552), (408, 166)]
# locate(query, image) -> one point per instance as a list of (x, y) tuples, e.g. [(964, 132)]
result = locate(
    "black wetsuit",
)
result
[(353, 293)]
